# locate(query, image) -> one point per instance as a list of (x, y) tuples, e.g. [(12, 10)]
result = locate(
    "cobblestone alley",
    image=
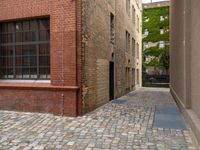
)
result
[(125, 123)]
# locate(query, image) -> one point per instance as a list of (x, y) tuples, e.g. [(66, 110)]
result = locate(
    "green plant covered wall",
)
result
[(153, 25)]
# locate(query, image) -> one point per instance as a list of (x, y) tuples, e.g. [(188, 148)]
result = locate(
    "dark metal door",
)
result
[(111, 81)]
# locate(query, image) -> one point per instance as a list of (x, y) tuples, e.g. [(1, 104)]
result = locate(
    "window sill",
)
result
[(25, 81), (34, 85)]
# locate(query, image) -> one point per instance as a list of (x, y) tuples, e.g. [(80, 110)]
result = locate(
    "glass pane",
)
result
[(33, 73), (18, 50), (32, 50), (10, 73), (43, 72), (18, 72), (33, 61), (18, 36), (9, 61), (9, 38), (44, 24), (25, 61), (42, 61), (25, 25), (25, 50), (44, 35), (9, 51), (9, 27), (33, 25), (18, 26), (18, 61)]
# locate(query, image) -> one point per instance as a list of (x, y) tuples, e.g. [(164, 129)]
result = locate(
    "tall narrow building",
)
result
[(68, 57)]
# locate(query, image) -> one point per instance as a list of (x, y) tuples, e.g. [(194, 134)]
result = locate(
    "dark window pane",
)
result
[(25, 61), (44, 35), (33, 25), (44, 49), (9, 61), (33, 72), (18, 50), (33, 61), (25, 50), (18, 36), (9, 38), (10, 28), (44, 24), (43, 72), (25, 25), (18, 26), (9, 51), (18, 61), (32, 50), (42, 61), (18, 72)]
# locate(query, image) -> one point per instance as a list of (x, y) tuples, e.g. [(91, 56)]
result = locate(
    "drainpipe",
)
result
[(62, 73)]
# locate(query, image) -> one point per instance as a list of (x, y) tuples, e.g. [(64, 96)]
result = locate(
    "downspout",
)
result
[(77, 58), (62, 73)]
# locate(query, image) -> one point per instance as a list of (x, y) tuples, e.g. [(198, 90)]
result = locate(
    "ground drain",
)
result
[(169, 117)]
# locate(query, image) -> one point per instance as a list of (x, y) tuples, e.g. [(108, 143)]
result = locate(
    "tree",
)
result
[(164, 59)]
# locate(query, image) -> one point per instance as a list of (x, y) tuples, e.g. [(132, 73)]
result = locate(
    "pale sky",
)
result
[(148, 1)]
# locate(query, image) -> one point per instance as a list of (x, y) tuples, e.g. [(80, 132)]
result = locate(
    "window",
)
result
[(138, 48), (162, 18), (138, 24), (112, 28), (161, 31), (25, 49), (146, 45), (161, 44), (127, 75), (146, 19), (133, 14), (128, 42), (146, 32), (133, 77), (128, 5), (133, 47), (138, 76)]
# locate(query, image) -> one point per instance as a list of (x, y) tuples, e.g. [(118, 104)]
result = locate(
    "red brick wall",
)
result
[(65, 31)]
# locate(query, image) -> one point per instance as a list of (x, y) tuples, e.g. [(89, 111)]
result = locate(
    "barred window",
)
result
[(25, 49)]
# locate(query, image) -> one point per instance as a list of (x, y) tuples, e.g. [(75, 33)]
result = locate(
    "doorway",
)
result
[(111, 81)]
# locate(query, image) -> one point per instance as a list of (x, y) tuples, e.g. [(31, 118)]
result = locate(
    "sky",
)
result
[(147, 1)]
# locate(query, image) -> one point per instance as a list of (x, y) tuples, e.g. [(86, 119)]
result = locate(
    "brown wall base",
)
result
[(39, 98), (191, 118)]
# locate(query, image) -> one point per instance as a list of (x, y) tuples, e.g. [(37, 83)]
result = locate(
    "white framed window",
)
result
[(146, 19), (161, 44), (161, 31), (162, 18), (146, 45), (146, 32)]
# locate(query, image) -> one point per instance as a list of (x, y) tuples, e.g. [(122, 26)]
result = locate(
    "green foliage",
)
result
[(160, 57), (164, 59), (154, 24)]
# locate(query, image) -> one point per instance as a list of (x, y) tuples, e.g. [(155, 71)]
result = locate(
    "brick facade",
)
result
[(61, 95), (80, 53), (99, 51)]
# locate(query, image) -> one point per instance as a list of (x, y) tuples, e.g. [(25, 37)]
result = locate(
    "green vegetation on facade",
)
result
[(160, 56)]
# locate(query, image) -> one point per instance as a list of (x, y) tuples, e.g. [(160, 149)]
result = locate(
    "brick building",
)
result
[(68, 57)]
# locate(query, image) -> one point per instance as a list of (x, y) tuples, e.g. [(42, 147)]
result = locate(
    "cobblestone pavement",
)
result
[(122, 124)]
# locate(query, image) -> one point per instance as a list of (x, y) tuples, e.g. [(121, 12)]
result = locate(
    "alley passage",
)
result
[(125, 123)]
